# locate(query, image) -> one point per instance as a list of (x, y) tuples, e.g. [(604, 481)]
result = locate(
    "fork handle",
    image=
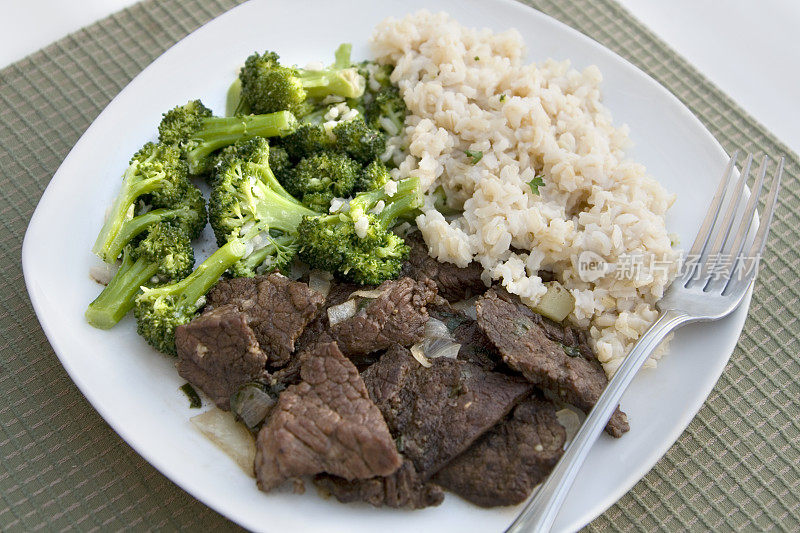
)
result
[(542, 508)]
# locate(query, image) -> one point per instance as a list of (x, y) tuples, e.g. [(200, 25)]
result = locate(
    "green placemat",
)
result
[(62, 467)]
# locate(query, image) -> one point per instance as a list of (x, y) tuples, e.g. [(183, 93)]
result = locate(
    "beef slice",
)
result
[(436, 413), (525, 341), (506, 463), (397, 316), (403, 489), (277, 309), (326, 423), (218, 353)]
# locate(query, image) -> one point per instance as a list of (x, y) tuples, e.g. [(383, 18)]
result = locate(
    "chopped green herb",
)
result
[(194, 399), (572, 351), (477, 58), (535, 183), (502, 97), (475, 155)]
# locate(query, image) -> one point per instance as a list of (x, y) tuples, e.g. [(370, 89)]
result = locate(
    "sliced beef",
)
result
[(403, 489), (475, 345), (218, 352), (454, 283), (526, 342), (438, 412), (317, 330), (397, 316), (504, 465), (326, 423), (277, 309)]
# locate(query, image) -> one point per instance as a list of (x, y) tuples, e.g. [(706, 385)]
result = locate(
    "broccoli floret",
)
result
[(254, 153), (247, 202), (359, 141), (307, 140), (280, 163), (157, 178), (268, 86), (198, 134), (373, 176), (160, 310), (164, 254), (277, 254), (386, 110), (358, 245), (318, 178)]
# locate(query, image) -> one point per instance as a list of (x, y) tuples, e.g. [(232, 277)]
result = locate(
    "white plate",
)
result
[(136, 389)]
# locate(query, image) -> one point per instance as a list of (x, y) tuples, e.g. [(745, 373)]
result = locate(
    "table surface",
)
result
[(761, 36)]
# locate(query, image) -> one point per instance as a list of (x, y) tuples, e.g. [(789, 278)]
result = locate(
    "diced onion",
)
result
[(436, 329), (435, 348), (571, 422), (103, 273), (556, 303), (437, 342), (419, 355), (368, 293), (320, 281), (297, 270), (252, 404), (338, 313), (230, 436)]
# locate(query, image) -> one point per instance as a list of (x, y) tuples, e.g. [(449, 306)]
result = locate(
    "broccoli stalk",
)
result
[(199, 134), (191, 217), (267, 86), (164, 254), (160, 310), (155, 174), (358, 245)]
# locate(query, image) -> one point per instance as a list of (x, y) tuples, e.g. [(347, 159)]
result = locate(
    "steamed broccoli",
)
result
[(359, 141), (198, 134), (247, 202), (318, 178), (164, 254), (155, 178), (373, 176), (279, 163), (256, 154), (386, 110), (306, 140), (352, 137), (268, 86), (358, 245)]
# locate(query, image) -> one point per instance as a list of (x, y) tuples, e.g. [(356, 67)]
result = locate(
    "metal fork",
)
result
[(702, 291)]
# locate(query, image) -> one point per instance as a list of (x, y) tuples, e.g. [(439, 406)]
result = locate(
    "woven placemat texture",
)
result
[(62, 467)]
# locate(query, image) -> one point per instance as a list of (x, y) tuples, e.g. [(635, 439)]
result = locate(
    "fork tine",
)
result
[(747, 218), (739, 284), (704, 233), (766, 217), (722, 230)]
